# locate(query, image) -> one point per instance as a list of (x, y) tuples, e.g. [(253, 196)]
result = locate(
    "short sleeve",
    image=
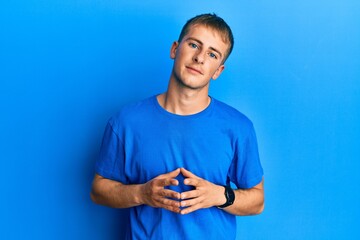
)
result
[(246, 170), (111, 161)]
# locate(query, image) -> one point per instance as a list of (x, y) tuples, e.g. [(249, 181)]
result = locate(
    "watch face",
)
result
[(230, 195), (227, 195)]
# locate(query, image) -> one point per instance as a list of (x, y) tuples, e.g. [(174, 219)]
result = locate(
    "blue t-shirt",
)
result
[(218, 144)]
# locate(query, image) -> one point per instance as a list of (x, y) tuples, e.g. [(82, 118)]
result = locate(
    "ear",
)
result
[(218, 72), (173, 49)]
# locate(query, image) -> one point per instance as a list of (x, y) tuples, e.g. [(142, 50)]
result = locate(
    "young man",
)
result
[(171, 157)]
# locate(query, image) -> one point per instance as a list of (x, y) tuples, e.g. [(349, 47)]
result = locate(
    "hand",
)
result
[(205, 195), (155, 194)]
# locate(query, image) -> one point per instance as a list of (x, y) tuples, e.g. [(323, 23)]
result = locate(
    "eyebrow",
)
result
[(197, 40)]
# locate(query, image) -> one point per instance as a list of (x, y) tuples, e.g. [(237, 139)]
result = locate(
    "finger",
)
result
[(192, 182), (162, 202), (171, 208), (168, 204), (190, 209), (190, 202), (190, 194), (170, 194), (187, 173), (172, 174), (168, 182)]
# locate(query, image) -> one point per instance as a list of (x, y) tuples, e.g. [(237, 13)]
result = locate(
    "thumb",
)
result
[(187, 173), (173, 174)]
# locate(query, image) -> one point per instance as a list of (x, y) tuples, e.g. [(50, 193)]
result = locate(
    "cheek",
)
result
[(214, 70), (178, 56)]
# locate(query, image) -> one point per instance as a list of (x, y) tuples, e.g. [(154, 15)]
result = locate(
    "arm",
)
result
[(206, 194), (248, 201), (115, 194)]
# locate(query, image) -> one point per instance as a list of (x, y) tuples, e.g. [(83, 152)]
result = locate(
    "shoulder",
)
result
[(231, 114), (132, 112)]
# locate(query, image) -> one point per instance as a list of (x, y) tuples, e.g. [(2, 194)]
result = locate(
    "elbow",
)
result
[(260, 209), (260, 206), (95, 193), (256, 209), (251, 211), (95, 198)]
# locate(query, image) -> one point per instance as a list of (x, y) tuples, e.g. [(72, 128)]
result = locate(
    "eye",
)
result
[(212, 55), (193, 45)]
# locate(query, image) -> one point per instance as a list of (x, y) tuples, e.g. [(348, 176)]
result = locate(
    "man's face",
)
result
[(198, 57)]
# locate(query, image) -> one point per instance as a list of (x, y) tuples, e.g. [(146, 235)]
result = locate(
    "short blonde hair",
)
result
[(215, 22)]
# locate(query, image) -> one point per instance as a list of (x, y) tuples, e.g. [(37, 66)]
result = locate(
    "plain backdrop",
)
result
[(66, 66)]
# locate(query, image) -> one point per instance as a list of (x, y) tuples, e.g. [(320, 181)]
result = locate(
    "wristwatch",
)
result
[(230, 197)]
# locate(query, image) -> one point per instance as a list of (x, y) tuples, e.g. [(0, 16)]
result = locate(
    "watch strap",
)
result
[(229, 195)]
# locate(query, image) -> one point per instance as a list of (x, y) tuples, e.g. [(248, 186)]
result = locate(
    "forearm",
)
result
[(115, 194), (247, 202)]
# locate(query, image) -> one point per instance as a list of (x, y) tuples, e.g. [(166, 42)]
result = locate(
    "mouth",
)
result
[(194, 70)]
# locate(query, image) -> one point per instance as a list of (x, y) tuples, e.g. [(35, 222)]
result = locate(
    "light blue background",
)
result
[(67, 66)]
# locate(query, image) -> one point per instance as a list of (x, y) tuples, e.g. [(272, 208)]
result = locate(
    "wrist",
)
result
[(138, 196), (229, 195), (221, 199)]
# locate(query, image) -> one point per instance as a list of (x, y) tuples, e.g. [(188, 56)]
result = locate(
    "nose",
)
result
[(199, 57)]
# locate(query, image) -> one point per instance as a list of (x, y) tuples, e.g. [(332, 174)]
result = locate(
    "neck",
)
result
[(186, 102)]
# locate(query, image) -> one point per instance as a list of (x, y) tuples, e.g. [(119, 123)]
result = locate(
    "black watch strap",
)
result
[(230, 197)]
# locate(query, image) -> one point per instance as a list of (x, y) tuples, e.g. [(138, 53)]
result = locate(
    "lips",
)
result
[(192, 69)]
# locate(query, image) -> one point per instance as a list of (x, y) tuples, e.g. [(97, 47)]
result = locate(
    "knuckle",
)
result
[(153, 183), (162, 193), (164, 201), (164, 182)]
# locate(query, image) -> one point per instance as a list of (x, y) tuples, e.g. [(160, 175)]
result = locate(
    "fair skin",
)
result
[(198, 58)]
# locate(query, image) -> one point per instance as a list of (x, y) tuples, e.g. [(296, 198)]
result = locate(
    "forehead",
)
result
[(208, 36)]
